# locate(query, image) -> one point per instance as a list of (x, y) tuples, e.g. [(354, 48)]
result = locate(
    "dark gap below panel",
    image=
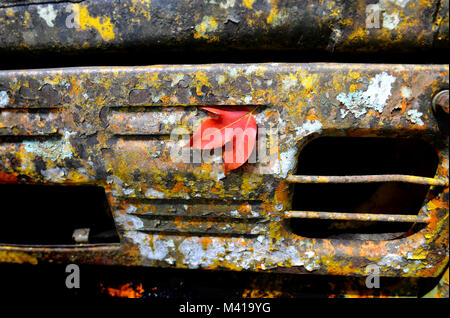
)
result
[(48, 214), (136, 56), (196, 285)]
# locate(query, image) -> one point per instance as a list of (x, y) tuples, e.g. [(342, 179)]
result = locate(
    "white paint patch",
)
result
[(131, 209), (375, 97), (227, 4), (308, 128), (54, 174), (176, 80), (48, 14), (132, 222), (154, 194), (128, 191), (129, 222), (392, 260), (390, 21), (4, 99), (289, 82), (401, 3), (220, 79), (353, 103), (233, 72), (150, 247), (52, 149), (406, 92), (287, 161), (235, 213), (251, 69), (415, 117), (288, 158), (247, 99), (167, 118), (114, 180), (195, 255)]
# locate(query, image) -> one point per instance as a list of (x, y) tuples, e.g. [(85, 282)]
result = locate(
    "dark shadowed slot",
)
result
[(338, 156), (49, 214)]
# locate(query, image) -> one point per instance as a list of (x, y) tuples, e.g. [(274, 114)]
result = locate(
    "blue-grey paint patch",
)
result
[(390, 21), (374, 97), (54, 149), (154, 194), (414, 116), (48, 14), (4, 99), (151, 247), (55, 174), (262, 255)]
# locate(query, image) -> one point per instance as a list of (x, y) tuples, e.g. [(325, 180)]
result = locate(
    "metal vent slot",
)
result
[(55, 215), (362, 188)]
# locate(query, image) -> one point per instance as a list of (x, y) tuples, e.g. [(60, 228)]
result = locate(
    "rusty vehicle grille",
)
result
[(368, 187), (111, 128)]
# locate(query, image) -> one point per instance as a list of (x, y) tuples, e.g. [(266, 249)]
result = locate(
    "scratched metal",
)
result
[(110, 126), (331, 26)]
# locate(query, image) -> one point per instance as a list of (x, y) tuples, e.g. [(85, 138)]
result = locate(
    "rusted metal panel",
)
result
[(111, 127), (331, 26)]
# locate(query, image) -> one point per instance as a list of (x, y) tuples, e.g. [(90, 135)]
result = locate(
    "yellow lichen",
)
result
[(248, 3), (102, 24), (208, 24)]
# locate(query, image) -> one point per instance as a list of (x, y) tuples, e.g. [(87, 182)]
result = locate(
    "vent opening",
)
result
[(34, 215), (339, 156)]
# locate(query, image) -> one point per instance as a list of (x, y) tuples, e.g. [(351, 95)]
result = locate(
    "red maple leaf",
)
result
[(235, 125)]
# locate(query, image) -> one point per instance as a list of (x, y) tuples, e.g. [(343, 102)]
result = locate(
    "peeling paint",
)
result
[(129, 222), (308, 128), (56, 148), (392, 260), (406, 92), (152, 193), (289, 82), (288, 160), (195, 255), (227, 4), (4, 99), (390, 21), (414, 116), (375, 97), (151, 247), (48, 14), (54, 174)]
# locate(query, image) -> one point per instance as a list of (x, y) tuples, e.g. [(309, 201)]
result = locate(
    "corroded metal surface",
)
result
[(357, 216), (111, 126), (333, 26), (367, 179)]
